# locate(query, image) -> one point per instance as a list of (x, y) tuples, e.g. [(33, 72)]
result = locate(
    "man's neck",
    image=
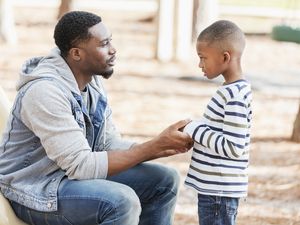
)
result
[(81, 78)]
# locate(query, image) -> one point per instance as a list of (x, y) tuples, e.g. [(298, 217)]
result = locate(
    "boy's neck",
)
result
[(233, 79), (232, 74)]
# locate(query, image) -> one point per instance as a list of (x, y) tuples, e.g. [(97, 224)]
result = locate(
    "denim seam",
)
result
[(157, 188), (113, 205)]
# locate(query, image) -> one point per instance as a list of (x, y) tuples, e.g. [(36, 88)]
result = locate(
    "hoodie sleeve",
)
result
[(46, 111)]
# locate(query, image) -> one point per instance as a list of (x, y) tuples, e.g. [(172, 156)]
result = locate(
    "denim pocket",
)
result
[(232, 206), (34, 217), (38, 218), (206, 209), (78, 116)]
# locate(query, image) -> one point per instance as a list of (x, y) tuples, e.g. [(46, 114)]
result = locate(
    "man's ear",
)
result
[(226, 57), (75, 54)]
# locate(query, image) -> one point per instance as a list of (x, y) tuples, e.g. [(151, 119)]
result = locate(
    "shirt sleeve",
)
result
[(231, 141), (46, 111)]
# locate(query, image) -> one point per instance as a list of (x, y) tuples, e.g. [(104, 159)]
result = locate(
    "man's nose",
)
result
[(112, 50)]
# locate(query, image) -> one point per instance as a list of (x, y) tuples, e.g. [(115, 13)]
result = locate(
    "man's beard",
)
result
[(107, 74)]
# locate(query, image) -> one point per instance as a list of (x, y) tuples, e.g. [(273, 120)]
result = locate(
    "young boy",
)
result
[(218, 169)]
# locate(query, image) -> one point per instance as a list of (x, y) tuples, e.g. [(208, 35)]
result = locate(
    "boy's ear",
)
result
[(226, 57)]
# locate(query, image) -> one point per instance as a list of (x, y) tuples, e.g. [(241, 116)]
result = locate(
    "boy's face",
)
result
[(212, 60)]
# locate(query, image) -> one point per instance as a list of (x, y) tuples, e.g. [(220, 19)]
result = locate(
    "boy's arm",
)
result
[(231, 141)]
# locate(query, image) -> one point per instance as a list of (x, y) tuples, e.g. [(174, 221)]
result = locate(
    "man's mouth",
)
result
[(111, 61)]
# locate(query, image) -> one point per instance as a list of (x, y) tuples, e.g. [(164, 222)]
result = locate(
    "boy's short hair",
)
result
[(72, 28), (224, 34)]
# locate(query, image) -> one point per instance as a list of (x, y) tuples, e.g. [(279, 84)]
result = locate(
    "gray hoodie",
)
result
[(50, 134)]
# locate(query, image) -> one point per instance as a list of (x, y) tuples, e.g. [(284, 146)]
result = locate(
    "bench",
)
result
[(7, 215)]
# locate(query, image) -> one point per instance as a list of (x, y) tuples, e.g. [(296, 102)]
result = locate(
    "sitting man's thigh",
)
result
[(148, 176), (98, 201), (82, 202)]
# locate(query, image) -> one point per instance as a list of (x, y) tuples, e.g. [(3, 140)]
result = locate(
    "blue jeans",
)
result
[(144, 195), (217, 210)]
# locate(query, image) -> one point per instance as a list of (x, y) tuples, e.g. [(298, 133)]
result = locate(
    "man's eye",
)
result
[(105, 43)]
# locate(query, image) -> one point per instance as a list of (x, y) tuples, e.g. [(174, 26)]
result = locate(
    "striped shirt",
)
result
[(221, 143)]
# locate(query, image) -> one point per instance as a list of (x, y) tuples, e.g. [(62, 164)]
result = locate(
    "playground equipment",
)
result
[(289, 30)]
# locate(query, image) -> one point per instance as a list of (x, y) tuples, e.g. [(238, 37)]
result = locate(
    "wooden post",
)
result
[(296, 130), (208, 12), (4, 110), (184, 22), (165, 34), (7, 24), (65, 6)]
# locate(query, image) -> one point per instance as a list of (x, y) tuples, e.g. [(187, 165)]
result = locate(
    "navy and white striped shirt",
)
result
[(221, 143)]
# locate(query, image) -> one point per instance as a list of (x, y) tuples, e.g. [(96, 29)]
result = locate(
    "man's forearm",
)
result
[(121, 160)]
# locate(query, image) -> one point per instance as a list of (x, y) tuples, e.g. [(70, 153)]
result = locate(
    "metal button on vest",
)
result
[(49, 204)]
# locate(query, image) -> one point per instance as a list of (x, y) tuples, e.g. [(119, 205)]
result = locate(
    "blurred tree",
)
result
[(296, 130), (65, 6)]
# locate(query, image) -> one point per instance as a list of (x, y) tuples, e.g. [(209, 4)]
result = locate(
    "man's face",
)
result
[(99, 55)]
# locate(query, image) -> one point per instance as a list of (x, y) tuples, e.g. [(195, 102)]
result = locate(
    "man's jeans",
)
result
[(145, 195), (216, 210)]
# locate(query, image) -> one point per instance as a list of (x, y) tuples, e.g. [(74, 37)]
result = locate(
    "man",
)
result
[(62, 160)]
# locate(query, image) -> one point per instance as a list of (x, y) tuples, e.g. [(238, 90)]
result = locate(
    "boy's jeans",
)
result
[(118, 200), (217, 210)]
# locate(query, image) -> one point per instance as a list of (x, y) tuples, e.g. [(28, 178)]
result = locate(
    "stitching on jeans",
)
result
[(157, 188), (29, 216), (113, 206), (75, 197), (59, 216)]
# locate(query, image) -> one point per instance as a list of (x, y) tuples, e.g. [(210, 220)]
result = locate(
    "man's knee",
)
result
[(127, 206), (170, 179), (128, 200)]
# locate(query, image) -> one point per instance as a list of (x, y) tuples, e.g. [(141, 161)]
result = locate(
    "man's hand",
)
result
[(173, 138), (169, 142)]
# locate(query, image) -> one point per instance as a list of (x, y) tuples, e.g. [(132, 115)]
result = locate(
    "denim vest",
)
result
[(27, 175)]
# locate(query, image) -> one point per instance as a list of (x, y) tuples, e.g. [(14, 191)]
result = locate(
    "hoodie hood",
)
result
[(51, 66)]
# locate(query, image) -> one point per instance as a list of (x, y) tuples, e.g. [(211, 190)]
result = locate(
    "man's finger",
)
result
[(181, 123)]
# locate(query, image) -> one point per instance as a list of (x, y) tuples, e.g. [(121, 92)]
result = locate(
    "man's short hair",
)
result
[(225, 34), (72, 28)]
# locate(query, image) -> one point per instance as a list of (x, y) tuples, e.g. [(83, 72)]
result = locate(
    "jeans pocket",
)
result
[(206, 200), (206, 209), (232, 206), (34, 217), (37, 218)]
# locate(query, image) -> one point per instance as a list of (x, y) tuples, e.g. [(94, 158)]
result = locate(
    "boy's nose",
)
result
[(200, 65)]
